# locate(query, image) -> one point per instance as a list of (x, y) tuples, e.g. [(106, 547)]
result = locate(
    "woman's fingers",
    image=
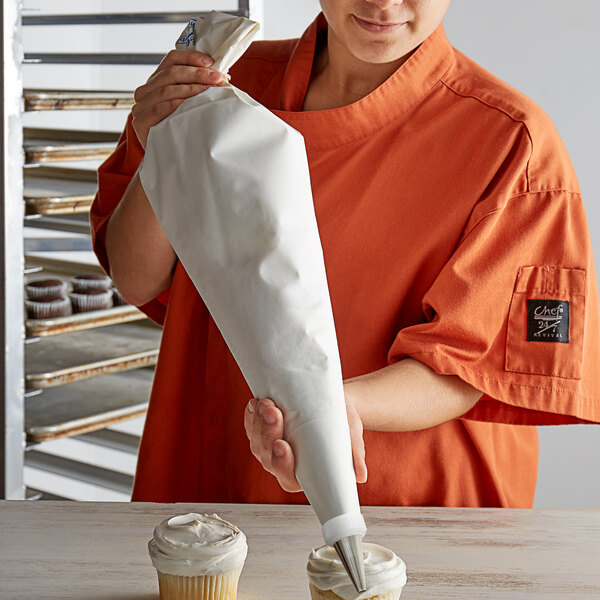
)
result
[(283, 466), (193, 58), (185, 57), (181, 74), (269, 429), (356, 439), (254, 435), (249, 418), (358, 450), (263, 423), (150, 114), (177, 75)]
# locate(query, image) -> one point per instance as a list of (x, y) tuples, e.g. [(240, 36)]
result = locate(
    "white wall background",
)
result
[(549, 49)]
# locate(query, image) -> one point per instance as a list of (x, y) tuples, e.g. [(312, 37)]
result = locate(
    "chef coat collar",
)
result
[(411, 82)]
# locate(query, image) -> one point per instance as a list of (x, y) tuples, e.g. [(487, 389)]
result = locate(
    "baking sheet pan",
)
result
[(118, 364), (87, 406), (53, 145), (76, 100), (86, 354), (82, 321), (49, 193), (64, 263)]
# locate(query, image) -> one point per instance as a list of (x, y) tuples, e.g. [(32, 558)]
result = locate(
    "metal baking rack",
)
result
[(70, 379)]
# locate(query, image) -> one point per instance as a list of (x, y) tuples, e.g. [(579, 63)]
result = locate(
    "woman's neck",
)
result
[(338, 78)]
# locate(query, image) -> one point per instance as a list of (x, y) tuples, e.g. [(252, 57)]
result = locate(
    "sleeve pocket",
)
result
[(546, 322)]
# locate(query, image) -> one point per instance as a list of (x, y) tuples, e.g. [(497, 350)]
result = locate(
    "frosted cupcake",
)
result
[(328, 580), (197, 557)]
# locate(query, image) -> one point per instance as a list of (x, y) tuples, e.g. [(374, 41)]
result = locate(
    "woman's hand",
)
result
[(263, 421), (181, 74)]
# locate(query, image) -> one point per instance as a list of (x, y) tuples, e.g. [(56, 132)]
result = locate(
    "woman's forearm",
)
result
[(408, 396), (140, 256)]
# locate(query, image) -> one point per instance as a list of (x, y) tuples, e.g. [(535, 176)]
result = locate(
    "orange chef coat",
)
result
[(453, 232)]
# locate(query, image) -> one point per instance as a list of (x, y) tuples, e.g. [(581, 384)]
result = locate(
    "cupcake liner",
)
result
[(317, 594), (82, 283), (201, 587), (34, 291), (89, 302), (118, 300), (49, 309)]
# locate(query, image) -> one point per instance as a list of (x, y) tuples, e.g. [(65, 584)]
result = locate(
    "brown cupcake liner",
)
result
[(82, 283), (48, 309), (89, 302), (35, 291)]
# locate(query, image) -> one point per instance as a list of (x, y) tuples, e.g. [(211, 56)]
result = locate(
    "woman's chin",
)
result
[(380, 53)]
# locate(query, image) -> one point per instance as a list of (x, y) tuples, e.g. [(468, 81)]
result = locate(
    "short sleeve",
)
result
[(114, 176), (515, 313)]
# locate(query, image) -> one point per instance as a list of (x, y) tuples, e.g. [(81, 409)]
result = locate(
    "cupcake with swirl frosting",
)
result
[(197, 557), (328, 580)]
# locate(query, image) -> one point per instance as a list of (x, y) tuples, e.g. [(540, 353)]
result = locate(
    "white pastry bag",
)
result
[(230, 186)]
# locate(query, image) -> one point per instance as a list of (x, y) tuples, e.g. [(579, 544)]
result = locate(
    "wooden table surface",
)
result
[(97, 551)]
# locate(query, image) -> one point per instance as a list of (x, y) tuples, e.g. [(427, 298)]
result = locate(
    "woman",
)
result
[(457, 255)]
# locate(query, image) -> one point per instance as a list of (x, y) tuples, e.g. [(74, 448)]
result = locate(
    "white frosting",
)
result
[(195, 544), (384, 571)]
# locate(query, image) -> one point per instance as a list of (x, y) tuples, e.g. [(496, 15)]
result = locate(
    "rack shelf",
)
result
[(86, 406), (133, 18), (76, 100), (53, 145), (87, 58), (89, 354), (39, 328), (66, 263)]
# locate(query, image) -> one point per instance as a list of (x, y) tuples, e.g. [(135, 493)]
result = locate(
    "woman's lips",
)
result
[(377, 27)]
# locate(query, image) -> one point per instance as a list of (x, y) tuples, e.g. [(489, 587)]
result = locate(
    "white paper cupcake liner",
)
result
[(37, 309), (317, 594), (33, 291), (118, 300), (88, 302), (82, 283), (201, 587)]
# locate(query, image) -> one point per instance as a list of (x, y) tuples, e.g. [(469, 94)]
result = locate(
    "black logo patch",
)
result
[(548, 321)]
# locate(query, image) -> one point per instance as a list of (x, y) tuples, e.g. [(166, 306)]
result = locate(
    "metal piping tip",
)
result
[(350, 551)]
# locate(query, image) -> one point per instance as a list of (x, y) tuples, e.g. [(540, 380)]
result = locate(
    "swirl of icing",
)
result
[(195, 544), (384, 571)]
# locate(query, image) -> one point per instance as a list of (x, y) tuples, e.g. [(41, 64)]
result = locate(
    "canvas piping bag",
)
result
[(229, 183)]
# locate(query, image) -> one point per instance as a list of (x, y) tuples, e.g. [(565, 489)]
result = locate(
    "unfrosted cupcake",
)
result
[(197, 557), (118, 300), (90, 281), (328, 580), (45, 288), (87, 300), (46, 308)]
